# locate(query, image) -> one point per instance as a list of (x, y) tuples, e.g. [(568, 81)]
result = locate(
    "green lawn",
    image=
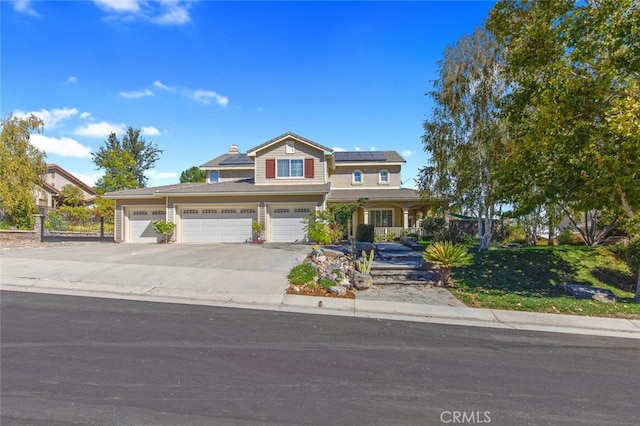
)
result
[(526, 279)]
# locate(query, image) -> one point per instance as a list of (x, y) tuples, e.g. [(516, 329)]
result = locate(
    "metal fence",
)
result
[(84, 225)]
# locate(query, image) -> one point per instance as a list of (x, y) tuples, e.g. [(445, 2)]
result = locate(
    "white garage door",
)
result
[(219, 225), (287, 224), (140, 226)]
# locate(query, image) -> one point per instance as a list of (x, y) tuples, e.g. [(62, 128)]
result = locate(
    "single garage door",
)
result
[(141, 227), (287, 224), (219, 225)]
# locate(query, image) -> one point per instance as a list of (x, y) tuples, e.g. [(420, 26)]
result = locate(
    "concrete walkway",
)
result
[(249, 276)]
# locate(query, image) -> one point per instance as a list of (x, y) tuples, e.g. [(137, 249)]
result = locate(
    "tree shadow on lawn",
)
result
[(527, 272), (616, 278)]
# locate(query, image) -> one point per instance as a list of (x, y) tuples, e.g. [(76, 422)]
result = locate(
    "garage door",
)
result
[(140, 226), (219, 225), (287, 224)]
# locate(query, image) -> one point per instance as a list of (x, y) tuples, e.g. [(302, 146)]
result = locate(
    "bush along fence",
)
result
[(73, 224)]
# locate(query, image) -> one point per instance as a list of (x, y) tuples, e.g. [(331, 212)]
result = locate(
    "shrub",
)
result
[(322, 228), (164, 228), (302, 274), (365, 233), (568, 238), (447, 255), (433, 226)]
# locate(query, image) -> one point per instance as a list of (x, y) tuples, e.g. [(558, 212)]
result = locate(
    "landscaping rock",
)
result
[(361, 281), (338, 289), (589, 292), (332, 254)]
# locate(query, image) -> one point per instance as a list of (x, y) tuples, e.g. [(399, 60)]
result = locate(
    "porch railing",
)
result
[(397, 231)]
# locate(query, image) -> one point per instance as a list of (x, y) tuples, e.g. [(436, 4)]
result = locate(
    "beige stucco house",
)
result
[(56, 178), (278, 183)]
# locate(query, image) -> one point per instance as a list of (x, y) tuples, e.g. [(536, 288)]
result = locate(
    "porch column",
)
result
[(405, 217), (366, 216)]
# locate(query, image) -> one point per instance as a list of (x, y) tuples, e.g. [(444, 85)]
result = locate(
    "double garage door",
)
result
[(287, 224), (216, 225)]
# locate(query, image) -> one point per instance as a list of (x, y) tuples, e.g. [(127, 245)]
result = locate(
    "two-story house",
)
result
[(56, 178), (278, 183)]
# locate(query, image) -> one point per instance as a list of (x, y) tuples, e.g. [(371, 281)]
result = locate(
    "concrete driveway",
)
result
[(191, 270)]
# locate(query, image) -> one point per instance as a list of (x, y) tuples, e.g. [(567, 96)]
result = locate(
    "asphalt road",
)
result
[(72, 360)]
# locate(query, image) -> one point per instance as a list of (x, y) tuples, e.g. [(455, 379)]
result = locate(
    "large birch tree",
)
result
[(464, 134)]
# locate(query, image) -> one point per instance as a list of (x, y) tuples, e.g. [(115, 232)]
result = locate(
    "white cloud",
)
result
[(372, 148), (138, 94), (159, 85), (71, 80), (65, 147), (163, 12), (52, 117), (174, 13), (338, 149), (357, 148), (150, 131), (119, 6), (85, 115), (205, 96), (99, 130), (406, 153), (24, 6)]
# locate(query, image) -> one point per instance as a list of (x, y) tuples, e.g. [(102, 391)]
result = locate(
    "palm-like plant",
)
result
[(447, 255)]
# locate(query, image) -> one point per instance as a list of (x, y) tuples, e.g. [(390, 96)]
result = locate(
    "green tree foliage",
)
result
[(193, 174), (125, 161), (22, 167), (574, 106), (71, 195), (464, 133)]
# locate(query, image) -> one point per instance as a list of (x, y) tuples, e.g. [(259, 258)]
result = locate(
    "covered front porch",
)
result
[(390, 220)]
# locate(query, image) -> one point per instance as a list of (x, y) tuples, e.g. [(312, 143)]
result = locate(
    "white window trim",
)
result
[(353, 177), (290, 160), (380, 181), (290, 147), (209, 176)]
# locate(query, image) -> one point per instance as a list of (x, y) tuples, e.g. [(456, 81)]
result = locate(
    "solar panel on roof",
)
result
[(360, 156), (236, 160)]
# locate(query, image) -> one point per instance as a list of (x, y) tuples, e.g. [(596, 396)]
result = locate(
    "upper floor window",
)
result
[(214, 176), (357, 177), (290, 168), (383, 176), (290, 147)]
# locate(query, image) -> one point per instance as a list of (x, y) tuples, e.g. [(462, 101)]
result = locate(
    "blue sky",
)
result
[(198, 76)]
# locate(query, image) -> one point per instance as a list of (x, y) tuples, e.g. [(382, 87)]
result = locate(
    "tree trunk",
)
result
[(637, 296)]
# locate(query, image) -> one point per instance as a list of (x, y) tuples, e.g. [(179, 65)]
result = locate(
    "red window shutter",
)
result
[(271, 168), (308, 168)]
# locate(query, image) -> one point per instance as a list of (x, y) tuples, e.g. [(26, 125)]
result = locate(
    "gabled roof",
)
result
[(71, 178), (288, 135), (241, 187), (234, 161), (350, 157)]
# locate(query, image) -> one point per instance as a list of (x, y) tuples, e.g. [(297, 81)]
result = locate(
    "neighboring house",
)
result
[(279, 183), (56, 178)]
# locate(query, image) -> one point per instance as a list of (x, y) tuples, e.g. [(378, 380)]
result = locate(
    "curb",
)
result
[(475, 317)]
